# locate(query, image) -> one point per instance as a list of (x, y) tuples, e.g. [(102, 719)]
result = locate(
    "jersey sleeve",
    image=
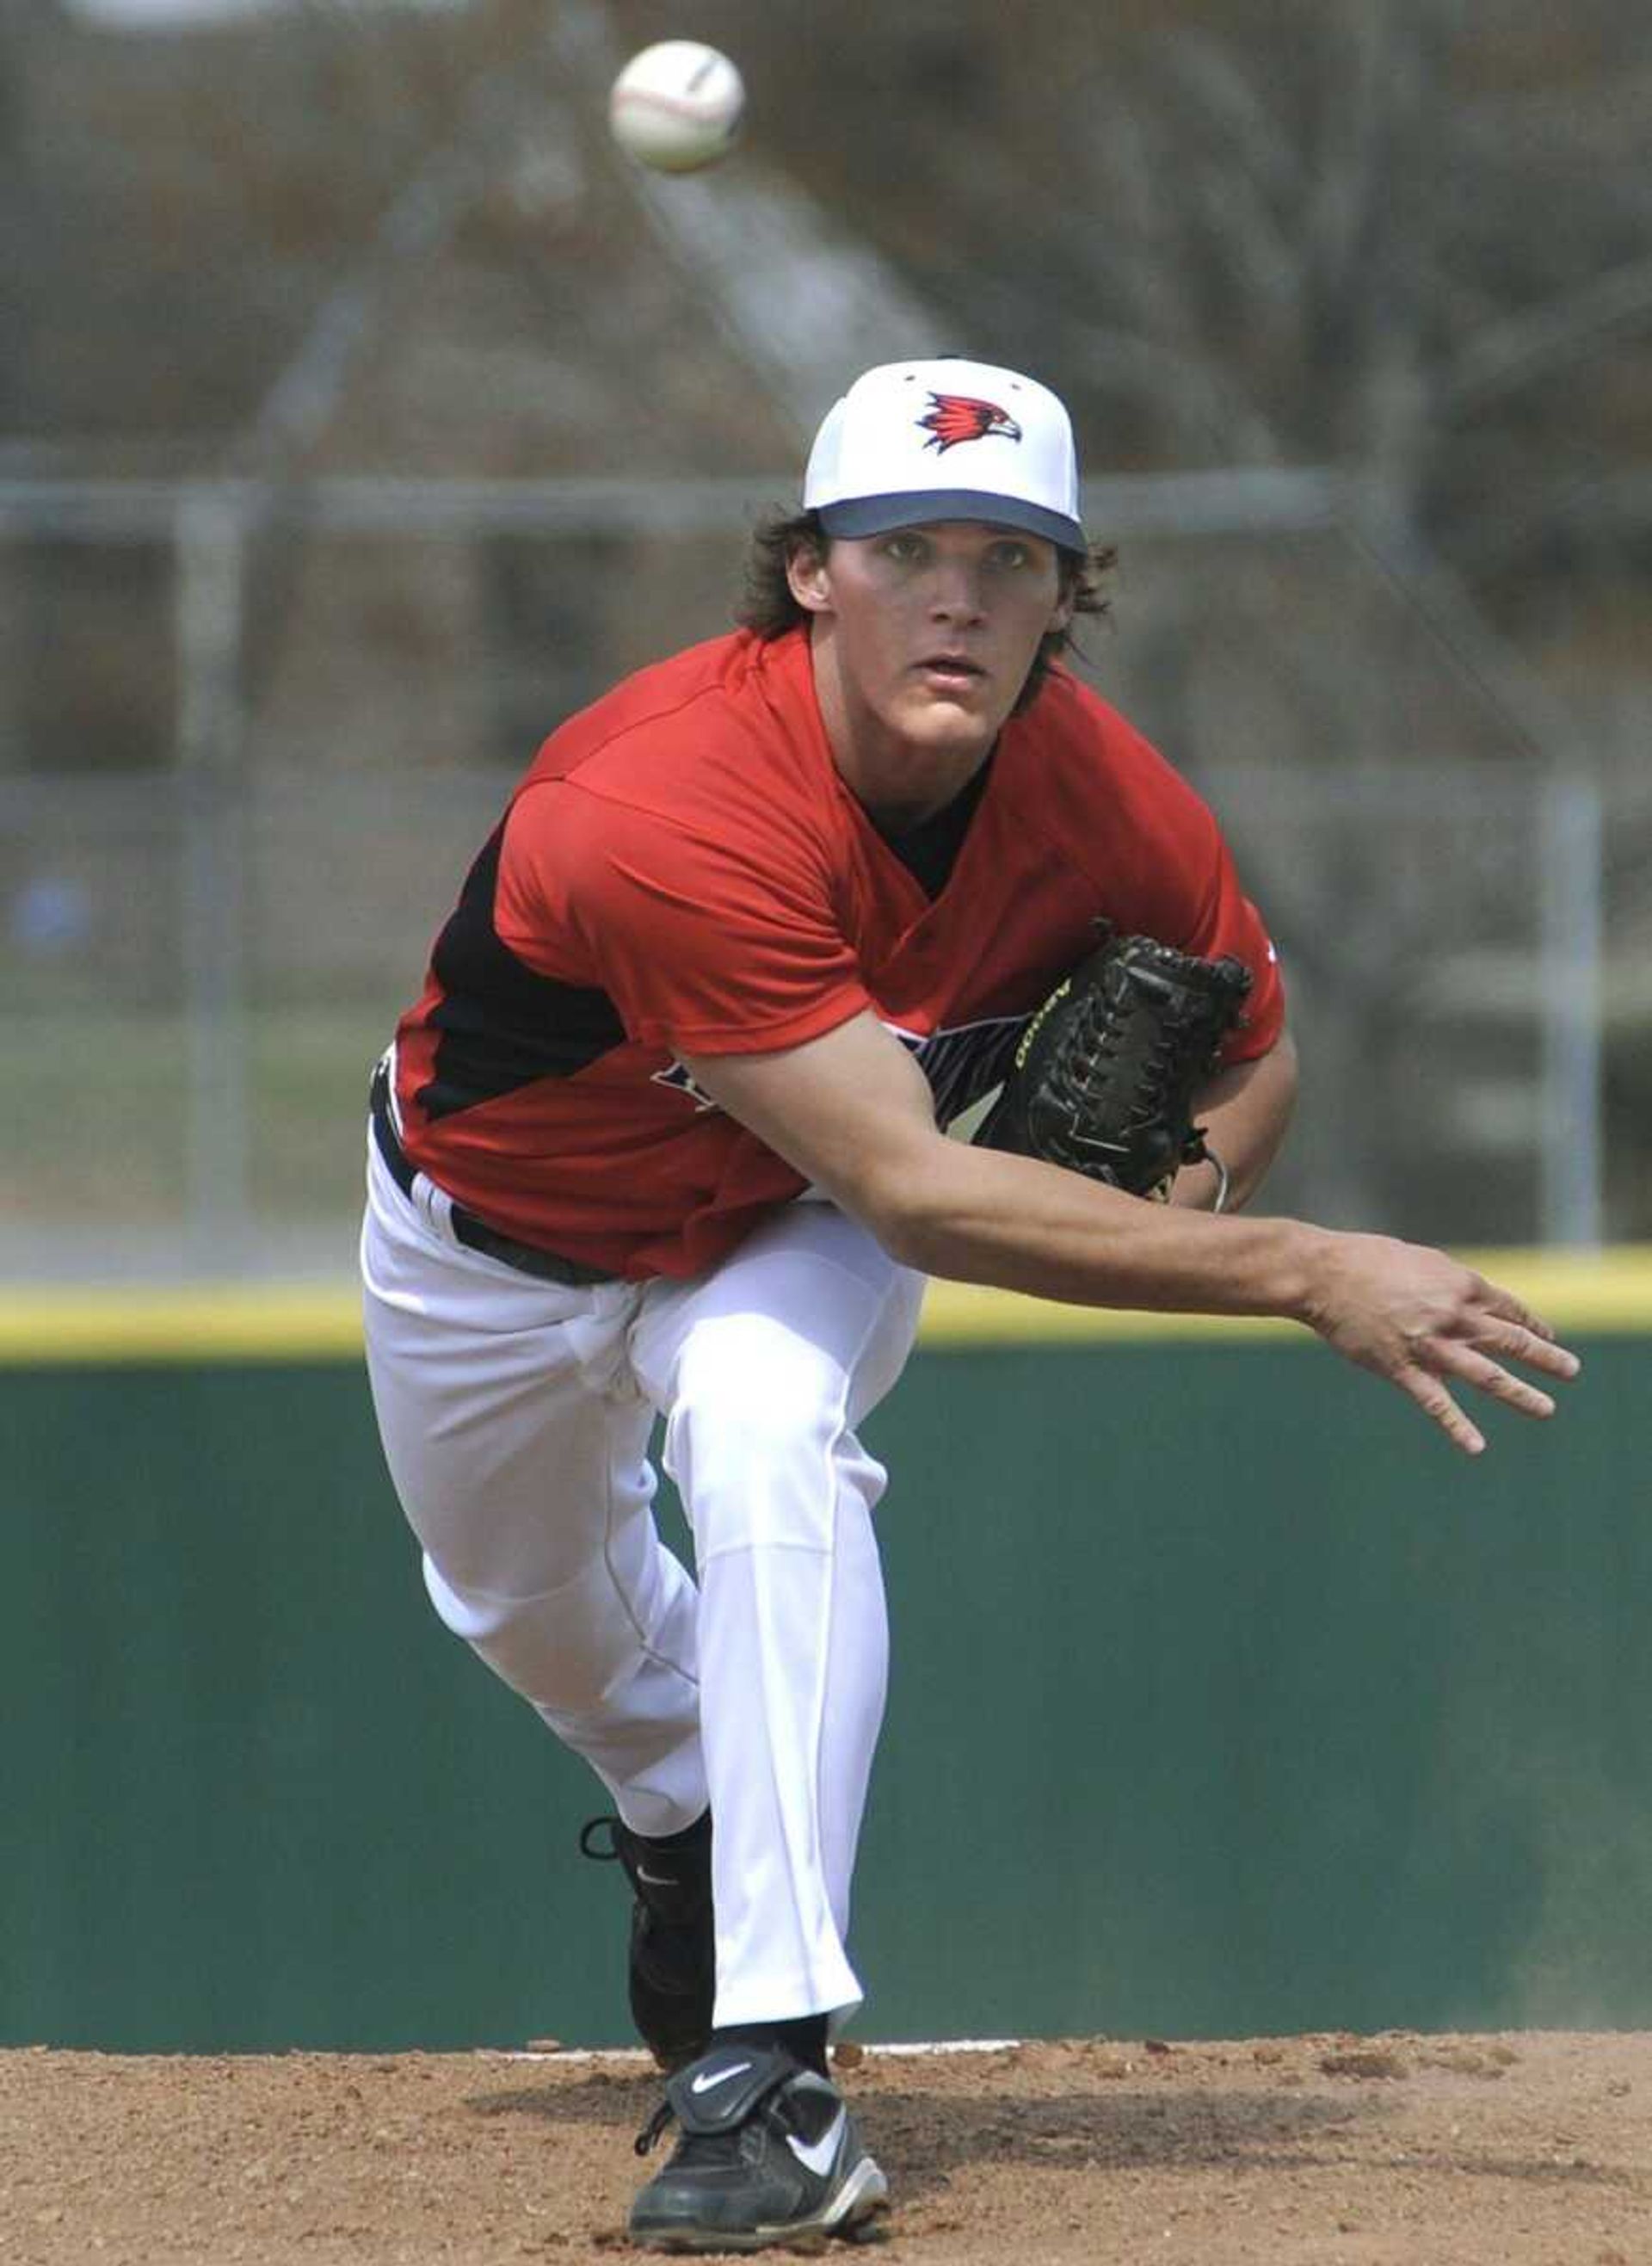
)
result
[(706, 943), (1229, 923), (1162, 867)]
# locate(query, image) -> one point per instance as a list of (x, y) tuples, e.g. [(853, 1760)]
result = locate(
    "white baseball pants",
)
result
[(516, 1417)]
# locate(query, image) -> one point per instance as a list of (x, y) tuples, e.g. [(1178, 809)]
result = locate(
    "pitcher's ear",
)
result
[(808, 576)]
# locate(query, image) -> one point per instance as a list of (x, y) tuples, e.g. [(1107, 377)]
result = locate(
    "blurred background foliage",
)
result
[(362, 412)]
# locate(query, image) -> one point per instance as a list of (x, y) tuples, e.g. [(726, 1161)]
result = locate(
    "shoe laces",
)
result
[(589, 1846), (648, 2137)]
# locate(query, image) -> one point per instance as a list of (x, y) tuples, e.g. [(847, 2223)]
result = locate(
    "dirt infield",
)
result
[(1406, 2150)]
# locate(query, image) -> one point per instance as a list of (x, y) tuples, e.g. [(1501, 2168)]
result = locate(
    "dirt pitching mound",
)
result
[(1402, 2149)]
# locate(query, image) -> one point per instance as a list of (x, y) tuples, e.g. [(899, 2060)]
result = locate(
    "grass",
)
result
[(100, 1115)]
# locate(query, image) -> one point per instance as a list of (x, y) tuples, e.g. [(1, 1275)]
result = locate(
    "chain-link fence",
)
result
[(246, 756)]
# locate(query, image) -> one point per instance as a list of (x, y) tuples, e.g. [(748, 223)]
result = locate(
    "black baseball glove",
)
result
[(1105, 1077)]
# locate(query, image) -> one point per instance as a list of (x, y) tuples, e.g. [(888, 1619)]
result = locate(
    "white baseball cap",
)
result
[(915, 442)]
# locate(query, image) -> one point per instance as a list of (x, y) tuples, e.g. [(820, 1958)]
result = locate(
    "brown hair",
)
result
[(769, 607)]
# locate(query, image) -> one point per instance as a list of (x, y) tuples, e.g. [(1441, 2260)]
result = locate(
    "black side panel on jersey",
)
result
[(502, 1026)]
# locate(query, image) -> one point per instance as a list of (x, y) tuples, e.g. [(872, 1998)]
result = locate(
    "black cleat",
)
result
[(767, 2155), (673, 1949)]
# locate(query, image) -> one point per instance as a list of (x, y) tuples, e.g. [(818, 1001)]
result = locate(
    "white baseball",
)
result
[(677, 106)]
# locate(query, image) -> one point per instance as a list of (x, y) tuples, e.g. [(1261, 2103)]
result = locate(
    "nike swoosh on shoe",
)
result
[(817, 2155)]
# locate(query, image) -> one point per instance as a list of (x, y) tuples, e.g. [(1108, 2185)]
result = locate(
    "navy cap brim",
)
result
[(880, 515)]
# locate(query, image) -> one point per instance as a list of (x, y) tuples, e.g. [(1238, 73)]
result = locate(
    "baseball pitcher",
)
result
[(662, 1141)]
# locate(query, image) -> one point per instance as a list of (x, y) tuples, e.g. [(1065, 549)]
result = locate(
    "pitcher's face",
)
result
[(923, 640)]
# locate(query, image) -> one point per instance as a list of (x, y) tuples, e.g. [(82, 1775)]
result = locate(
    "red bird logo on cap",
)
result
[(955, 417)]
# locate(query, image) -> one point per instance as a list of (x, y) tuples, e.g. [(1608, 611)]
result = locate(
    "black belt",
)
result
[(526, 1258)]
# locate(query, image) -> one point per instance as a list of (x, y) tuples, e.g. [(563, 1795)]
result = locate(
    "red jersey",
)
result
[(683, 871)]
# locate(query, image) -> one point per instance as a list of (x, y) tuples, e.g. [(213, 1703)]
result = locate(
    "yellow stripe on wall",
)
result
[(183, 1322), (1605, 1291), (1608, 1292)]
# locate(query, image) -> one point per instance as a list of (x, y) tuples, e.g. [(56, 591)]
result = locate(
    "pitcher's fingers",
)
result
[(1478, 1368), (1518, 1342), (1495, 1300), (1431, 1397)]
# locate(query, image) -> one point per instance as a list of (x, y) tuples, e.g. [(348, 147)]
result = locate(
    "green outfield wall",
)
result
[(1226, 1697)]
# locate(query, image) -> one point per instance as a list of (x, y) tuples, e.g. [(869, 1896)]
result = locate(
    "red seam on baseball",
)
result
[(679, 105)]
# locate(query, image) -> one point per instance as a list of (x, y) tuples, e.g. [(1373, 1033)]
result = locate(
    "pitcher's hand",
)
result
[(1420, 1317)]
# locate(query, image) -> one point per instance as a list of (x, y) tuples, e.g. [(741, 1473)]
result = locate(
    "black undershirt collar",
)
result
[(930, 851)]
